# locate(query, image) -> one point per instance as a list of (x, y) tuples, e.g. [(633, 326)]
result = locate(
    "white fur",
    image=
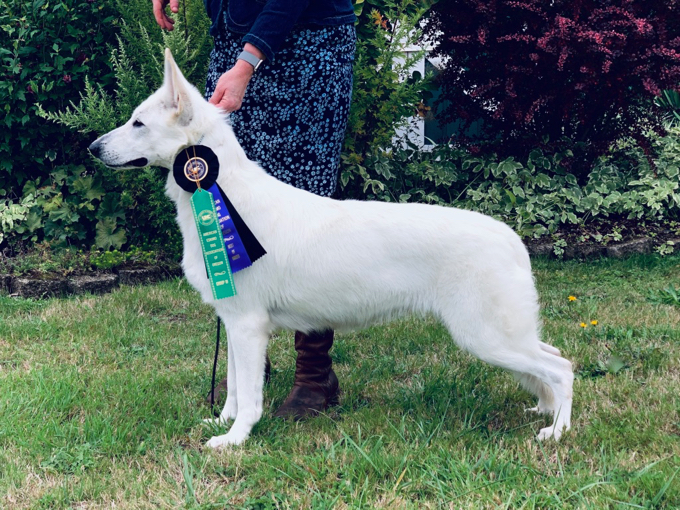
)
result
[(345, 264)]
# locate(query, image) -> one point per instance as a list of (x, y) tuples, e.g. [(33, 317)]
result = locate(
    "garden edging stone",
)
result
[(590, 250), (6, 283), (95, 284), (140, 276), (38, 288), (593, 250), (636, 246), (540, 250)]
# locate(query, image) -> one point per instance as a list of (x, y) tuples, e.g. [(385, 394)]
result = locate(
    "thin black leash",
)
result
[(217, 351)]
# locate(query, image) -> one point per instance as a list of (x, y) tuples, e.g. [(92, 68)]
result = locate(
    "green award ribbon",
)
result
[(212, 242)]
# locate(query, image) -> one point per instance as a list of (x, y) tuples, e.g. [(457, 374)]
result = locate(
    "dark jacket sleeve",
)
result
[(273, 25)]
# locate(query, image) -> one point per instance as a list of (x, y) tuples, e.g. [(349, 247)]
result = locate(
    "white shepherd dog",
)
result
[(343, 264)]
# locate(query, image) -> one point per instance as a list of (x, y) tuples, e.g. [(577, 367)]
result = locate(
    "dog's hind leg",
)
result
[(517, 349), (549, 348), (550, 377), (247, 349), (546, 404), (546, 401), (557, 374)]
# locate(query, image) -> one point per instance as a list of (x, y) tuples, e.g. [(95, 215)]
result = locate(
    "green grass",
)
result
[(101, 400)]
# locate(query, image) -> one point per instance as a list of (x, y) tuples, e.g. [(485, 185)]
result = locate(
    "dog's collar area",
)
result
[(195, 166)]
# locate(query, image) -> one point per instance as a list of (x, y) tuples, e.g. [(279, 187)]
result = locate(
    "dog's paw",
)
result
[(542, 407), (217, 442), (539, 410), (550, 433), (228, 413)]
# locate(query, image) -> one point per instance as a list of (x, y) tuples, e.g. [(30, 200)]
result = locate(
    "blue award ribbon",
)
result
[(236, 251)]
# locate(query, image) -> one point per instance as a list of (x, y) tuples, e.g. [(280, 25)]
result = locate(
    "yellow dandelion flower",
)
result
[(572, 298), (594, 323), (583, 325)]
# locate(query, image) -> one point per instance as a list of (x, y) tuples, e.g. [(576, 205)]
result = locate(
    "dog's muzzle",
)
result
[(95, 149)]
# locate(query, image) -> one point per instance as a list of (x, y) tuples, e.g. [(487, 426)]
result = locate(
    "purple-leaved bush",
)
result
[(586, 70)]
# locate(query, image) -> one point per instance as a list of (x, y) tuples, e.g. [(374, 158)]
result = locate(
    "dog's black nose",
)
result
[(95, 148)]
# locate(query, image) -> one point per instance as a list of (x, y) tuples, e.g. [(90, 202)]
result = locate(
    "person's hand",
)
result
[(164, 21), (231, 87)]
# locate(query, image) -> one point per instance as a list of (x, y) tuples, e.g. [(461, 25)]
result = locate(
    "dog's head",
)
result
[(158, 129)]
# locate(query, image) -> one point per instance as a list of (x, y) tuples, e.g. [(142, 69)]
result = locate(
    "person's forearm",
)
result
[(245, 69), (274, 23), (232, 85), (254, 50)]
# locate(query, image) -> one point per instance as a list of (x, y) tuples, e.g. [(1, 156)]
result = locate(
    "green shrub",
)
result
[(115, 258), (46, 51), (138, 65), (78, 202), (143, 216), (386, 94), (13, 215), (537, 196), (81, 202), (72, 204), (669, 105)]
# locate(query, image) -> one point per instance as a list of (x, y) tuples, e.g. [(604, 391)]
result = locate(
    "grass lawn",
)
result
[(101, 400)]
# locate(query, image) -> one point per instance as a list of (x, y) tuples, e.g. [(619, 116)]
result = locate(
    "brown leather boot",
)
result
[(221, 387), (316, 385)]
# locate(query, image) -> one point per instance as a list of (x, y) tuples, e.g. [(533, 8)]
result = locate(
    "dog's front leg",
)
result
[(247, 347), (231, 405)]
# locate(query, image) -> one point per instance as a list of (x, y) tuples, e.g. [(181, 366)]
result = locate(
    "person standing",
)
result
[(283, 69)]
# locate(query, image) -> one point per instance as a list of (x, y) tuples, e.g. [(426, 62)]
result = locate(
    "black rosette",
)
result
[(196, 164)]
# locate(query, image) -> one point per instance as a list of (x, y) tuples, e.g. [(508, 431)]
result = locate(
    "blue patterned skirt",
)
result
[(294, 114)]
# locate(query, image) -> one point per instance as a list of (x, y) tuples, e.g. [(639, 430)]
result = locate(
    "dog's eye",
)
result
[(137, 123)]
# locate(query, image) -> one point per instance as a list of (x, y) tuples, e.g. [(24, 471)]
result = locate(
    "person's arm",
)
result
[(274, 23), (232, 85), (270, 29)]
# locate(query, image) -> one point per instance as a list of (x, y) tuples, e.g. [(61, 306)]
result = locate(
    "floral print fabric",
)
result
[(292, 120)]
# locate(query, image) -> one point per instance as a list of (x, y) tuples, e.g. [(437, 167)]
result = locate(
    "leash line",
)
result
[(217, 351)]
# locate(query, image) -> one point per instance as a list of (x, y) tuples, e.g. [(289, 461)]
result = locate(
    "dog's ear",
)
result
[(177, 89)]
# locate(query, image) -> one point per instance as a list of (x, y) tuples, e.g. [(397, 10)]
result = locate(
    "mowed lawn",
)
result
[(101, 401)]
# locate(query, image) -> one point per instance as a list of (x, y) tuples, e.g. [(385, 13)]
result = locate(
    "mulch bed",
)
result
[(41, 285), (611, 238)]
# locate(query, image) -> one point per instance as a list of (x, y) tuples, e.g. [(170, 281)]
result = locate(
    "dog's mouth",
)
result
[(135, 163)]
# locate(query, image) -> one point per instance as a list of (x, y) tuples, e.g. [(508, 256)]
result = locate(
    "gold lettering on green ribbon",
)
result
[(221, 282)]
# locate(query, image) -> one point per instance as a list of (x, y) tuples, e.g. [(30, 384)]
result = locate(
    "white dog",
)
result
[(343, 264)]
